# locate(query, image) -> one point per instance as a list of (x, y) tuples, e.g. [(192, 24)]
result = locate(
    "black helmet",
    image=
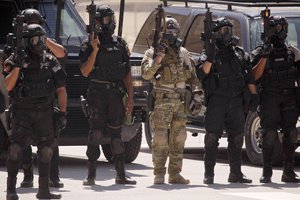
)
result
[(223, 32), (32, 16), (34, 35), (221, 22), (279, 26), (104, 11)]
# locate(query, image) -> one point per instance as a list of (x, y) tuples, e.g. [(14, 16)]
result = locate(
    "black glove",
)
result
[(254, 102), (210, 52), (266, 49), (60, 120), (21, 59)]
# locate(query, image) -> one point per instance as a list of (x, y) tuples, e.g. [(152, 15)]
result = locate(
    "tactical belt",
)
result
[(171, 93), (104, 84), (286, 91)]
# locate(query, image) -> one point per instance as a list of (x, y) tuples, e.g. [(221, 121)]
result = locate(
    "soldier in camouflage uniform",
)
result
[(169, 72)]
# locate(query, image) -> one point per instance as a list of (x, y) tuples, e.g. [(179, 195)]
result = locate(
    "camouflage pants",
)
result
[(168, 122)]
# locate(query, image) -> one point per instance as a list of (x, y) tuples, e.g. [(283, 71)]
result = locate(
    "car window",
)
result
[(193, 42), (71, 32), (294, 32)]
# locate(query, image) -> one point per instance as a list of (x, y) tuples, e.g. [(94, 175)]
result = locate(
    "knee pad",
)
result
[(117, 146), (15, 152), (93, 152), (269, 138), (211, 140), (45, 154)]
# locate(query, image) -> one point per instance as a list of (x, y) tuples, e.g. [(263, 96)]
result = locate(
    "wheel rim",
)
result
[(255, 136)]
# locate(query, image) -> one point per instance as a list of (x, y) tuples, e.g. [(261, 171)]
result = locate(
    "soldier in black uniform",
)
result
[(276, 67), (32, 77), (33, 16), (105, 61), (224, 70)]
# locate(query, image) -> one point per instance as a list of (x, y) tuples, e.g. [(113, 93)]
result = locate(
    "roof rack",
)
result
[(243, 3)]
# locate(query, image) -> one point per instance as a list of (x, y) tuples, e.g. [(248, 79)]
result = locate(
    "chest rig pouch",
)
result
[(109, 63), (229, 72), (173, 68), (281, 70), (34, 82)]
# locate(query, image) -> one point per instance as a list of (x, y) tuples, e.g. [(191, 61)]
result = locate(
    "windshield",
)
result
[(256, 27), (72, 29)]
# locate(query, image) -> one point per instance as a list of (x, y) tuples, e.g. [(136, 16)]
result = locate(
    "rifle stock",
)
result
[(207, 35), (158, 26), (18, 33), (266, 34), (91, 9)]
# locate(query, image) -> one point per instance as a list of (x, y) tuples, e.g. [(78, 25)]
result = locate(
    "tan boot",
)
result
[(178, 179), (159, 179)]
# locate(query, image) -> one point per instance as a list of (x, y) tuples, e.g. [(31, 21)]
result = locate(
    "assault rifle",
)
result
[(267, 32), (158, 28), (207, 35), (16, 39), (91, 28)]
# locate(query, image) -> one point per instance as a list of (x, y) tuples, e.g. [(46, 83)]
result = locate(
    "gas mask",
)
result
[(170, 37), (279, 29), (223, 36), (36, 45), (279, 35)]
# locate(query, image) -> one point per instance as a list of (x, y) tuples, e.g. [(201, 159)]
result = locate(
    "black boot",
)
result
[(11, 193), (121, 178), (28, 176), (267, 165), (289, 175), (90, 179), (44, 192), (209, 174), (54, 180), (267, 173), (236, 176)]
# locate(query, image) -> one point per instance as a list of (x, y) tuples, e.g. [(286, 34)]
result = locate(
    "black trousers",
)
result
[(106, 117), (224, 113)]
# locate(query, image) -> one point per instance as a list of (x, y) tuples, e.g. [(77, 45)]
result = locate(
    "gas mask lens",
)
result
[(173, 32), (225, 30), (36, 40), (278, 28)]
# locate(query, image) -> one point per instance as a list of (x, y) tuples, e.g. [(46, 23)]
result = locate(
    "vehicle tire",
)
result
[(148, 132), (147, 127), (132, 148), (253, 140)]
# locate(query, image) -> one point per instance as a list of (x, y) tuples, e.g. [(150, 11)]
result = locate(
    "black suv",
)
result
[(248, 26), (69, 30)]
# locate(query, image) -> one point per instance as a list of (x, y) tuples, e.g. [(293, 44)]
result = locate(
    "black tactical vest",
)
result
[(35, 84), (226, 76), (109, 65), (280, 71)]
